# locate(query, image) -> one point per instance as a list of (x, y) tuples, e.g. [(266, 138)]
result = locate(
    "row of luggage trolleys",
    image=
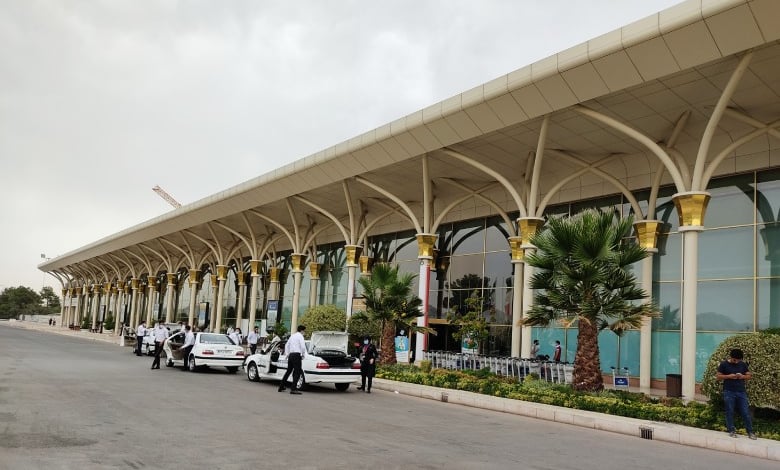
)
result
[(555, 372)]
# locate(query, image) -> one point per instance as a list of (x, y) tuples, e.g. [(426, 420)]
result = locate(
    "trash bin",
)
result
[(674, 385)]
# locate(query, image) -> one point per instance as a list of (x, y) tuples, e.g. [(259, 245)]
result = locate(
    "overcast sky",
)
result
[(102, 100)]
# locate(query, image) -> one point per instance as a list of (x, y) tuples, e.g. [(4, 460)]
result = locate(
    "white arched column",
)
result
[(170, 293), (193, 280), (691, 207), (425, 244), (647, 232), (314, 285), (255, 267), (515, 244), (296, 260), (221, 278), (528, 226), (241, 278), (353, 252)]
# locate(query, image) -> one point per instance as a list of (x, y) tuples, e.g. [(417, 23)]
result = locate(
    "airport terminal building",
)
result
[(673, 120)]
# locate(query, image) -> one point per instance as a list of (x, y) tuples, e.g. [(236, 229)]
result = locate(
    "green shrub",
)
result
[(425, 366), (762, 353), (323, 318)]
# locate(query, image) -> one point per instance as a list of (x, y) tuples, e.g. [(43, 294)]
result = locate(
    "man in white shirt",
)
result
[(160, 334), (140, 332), (189, 342), (296, 351), (252, 338)]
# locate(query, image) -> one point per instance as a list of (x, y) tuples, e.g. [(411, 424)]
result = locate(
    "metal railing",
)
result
[(554, 372)]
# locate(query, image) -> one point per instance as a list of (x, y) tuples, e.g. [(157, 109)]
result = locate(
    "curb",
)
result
[(767, 449)]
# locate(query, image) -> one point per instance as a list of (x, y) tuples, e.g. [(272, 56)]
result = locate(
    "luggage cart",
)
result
[(620, 377)]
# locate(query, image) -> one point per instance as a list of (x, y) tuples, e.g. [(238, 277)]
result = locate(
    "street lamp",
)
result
[(43, 280)]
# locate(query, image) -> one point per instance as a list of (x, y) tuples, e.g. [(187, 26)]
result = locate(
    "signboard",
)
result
[(402, 349), (469, 345), (273, 312), (621, 381), (358, 305)]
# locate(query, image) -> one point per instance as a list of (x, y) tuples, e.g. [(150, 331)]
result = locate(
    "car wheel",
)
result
[(169, 363), (342, 387), (251, 372), (232, 369), (192, 366)]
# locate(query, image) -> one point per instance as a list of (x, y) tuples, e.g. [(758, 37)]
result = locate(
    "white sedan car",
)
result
[(210, 350), (326, 362)]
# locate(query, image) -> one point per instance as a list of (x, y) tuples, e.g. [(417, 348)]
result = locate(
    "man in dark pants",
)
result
[(189, 342), (733, 372), (368, 356), (140, 332), (296, 351), (160, 334)]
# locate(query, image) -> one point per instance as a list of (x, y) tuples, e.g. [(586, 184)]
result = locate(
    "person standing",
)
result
[(535, 349), (557, 353), (733, 372), (296, 351), (368, 356), (160, 334), (189, 342), (235, 336), (252, 339), (140, 332)]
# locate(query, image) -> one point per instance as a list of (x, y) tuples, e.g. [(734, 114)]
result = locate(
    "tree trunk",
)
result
[(387, 355), (587, 367)]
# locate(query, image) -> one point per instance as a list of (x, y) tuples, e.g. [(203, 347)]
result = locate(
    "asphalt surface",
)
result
[(67, 403)]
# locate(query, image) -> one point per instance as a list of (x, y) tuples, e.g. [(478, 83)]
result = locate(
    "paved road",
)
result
[(67, 403)]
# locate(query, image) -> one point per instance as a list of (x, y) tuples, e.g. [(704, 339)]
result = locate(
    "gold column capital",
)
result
[(194, 275), (77, 291), (365, 265), (314, 270), (221, 272), (254, 265), (516, 247), (127, 289), (273, 273), (171, 278), (425, 244), (151, 282), (214, 280), (691, 207), (353, 252), (120, 284), (114, 290), (647, 232), (297, 260), (528, 226), (240, 275), (107, 288)]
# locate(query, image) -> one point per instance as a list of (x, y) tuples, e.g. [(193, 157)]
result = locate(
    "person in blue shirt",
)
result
[(733, 372)]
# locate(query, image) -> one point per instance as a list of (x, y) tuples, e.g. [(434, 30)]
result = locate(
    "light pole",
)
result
[(43, 280)]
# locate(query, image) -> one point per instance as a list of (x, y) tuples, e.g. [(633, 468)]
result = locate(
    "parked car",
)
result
[(327, 361), (210, 350), (147, 347)]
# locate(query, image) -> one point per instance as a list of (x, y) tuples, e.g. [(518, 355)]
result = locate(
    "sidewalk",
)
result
[(104, 337), (667, 432)]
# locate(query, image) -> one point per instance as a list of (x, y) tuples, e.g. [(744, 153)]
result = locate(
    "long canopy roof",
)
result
[(661, 76)]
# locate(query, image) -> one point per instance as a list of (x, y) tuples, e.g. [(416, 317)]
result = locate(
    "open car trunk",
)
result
[(331, 346)]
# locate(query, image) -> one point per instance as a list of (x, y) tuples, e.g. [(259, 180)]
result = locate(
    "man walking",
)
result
[(252, 339), (189, 342), (140, 332), (557, 352), (733, 372), (160, 334), (296, 351)]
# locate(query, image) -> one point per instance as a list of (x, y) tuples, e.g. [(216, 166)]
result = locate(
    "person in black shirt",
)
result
[(368, 356), (733, 372)]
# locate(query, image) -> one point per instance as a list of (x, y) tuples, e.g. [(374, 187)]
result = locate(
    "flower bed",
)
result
[(614, 402)]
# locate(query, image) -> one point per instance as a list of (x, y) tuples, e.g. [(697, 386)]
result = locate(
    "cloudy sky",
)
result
[(100, 100)]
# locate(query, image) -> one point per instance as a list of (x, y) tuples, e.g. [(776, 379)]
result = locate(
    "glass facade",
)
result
[(738, 290)]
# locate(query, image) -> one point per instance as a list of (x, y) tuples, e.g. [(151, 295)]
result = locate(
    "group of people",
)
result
[(535, 348)]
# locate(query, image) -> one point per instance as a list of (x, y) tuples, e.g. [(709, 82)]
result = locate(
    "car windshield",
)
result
[(214, 339)]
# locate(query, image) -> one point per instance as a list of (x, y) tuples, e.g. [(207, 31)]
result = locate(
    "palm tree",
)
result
[(584, 278), (389, 300)]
